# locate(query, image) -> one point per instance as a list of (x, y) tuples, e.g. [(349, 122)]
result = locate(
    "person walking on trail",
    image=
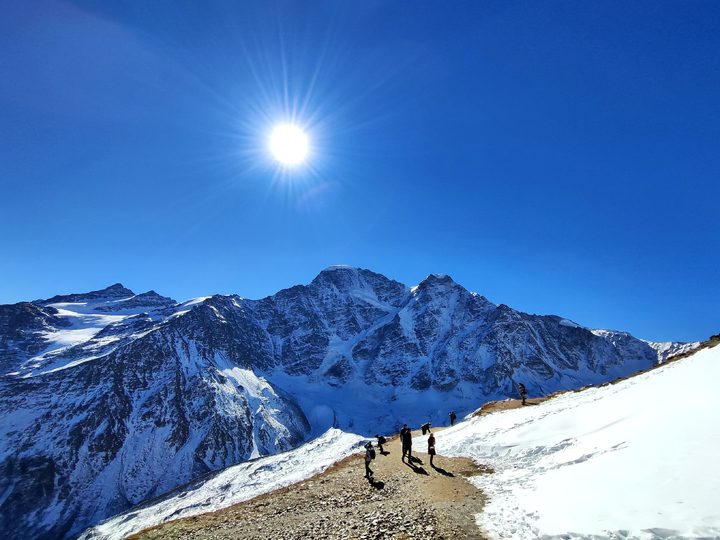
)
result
[(380, 441), (402, 441), (523, 392), (425, 428), (369, 456), (406, 436), (431, 448), (452, 418)]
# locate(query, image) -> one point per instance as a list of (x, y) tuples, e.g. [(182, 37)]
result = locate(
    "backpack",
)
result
[(382, 440), (371, 452)]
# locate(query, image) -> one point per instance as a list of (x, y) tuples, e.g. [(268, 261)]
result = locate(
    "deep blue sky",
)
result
[(559, 157)]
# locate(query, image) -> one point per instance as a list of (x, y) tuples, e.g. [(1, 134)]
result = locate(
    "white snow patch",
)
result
[(637, 459), (666, 349), (195, 301), (84, 325), (407, 324), (571, 324), (233, 485)]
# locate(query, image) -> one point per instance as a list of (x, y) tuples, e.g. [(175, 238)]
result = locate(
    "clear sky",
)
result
[(558, 157)]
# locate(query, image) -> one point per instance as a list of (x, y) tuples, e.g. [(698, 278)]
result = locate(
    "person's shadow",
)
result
[(416, 469), (377, 484), (443, 471), (414, 459)]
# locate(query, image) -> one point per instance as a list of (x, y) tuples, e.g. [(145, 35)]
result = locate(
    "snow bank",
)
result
[(232, 485), (637, 459)]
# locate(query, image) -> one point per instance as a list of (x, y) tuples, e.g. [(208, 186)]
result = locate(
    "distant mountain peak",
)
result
[(153, 294), (113, 292), (334, 267), (347, 276), (117, 287), (438, 280), (338, 270), (147, 301)]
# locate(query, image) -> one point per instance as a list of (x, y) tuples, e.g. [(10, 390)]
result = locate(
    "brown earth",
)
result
[(494, 406), (404, 501)]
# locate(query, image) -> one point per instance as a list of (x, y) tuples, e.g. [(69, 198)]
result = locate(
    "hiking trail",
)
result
[(404, 502)]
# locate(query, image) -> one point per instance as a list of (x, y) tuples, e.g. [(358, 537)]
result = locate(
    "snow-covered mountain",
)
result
[(233, 485), (558, 465), (109, 398)]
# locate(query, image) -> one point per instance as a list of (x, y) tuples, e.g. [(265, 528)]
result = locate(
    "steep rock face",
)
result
[(664, 350), (167, 404), (145, 301), (433, 326), (109, 398), (23, 328), (313, 327)]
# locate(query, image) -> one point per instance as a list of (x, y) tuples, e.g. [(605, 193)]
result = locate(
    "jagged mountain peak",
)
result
[(338, 271), (147, 301), (433, 281), (349, 277), (116, 287), (340, 268), (154, 297), (115, 291), (365, 285), (151, 293)]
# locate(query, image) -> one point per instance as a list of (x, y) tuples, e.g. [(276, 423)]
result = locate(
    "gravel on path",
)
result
[(403, 502)]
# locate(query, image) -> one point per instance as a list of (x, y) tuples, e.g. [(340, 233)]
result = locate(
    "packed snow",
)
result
[(233, 485), (637, 459)]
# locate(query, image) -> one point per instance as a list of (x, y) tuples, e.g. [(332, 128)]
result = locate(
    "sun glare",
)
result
[(289, 144)]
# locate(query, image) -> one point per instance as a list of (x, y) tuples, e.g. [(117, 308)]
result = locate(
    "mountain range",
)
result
[(110, 398)]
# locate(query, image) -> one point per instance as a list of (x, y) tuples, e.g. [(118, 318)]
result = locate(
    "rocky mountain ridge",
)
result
[(109, 398)]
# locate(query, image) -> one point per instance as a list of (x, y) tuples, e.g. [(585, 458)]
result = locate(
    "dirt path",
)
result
[(507, 404), (404, 502)]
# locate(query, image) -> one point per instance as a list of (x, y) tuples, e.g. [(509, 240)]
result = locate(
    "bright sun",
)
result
[(289, 144)]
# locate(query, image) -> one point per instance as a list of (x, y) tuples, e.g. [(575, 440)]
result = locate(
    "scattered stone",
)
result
[(340, 504)]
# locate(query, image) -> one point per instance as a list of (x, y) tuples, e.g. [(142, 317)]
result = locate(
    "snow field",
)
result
[(637, 459)]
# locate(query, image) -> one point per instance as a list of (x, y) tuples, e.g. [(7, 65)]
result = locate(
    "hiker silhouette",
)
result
[(406, 441), (369, 456), (431, 448)]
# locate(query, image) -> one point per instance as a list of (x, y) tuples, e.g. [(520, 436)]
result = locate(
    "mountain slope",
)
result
[(109, 398), (559, 466), (233, 485), (144, 405), (536, 478)]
